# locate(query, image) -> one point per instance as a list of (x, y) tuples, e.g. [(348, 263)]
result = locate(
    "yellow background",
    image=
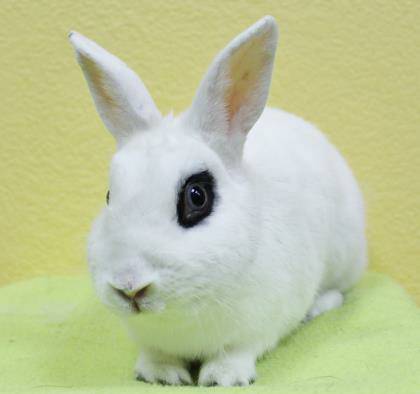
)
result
[(351, 67)]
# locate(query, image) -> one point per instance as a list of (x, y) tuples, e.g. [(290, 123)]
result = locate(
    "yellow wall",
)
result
[(352, 67)]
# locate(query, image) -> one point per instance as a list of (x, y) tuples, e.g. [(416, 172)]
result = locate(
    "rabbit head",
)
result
[(181, 222)]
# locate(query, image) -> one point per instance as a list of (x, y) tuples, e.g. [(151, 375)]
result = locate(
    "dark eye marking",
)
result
[(195, 199), (107, 197)]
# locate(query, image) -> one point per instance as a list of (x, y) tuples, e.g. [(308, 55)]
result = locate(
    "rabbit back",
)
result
[(309, 196)]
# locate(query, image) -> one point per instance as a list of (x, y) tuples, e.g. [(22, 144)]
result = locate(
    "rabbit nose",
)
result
[(132, 294), (135, 293)]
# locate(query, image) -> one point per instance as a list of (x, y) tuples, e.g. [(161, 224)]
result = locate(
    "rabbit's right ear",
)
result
[(121, 98)]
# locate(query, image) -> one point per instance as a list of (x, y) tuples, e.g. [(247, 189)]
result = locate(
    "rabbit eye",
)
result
[(196, 195), (195, 199), (107, 197)]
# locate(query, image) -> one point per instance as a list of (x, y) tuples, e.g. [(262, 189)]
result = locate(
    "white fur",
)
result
[(287, 227), (325, 302), (121, 98)]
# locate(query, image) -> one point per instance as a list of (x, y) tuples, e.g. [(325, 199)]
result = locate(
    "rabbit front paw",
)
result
[(228, 369), (157, 368)]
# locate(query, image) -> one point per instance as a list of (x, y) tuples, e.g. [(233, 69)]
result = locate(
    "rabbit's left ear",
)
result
[(233, 94), (121, 98)]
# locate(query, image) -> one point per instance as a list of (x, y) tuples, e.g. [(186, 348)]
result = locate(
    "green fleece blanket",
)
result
[(56, 338)]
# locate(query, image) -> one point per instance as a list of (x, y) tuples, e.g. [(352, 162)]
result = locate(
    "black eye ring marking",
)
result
[(107, 197), (195, 199)]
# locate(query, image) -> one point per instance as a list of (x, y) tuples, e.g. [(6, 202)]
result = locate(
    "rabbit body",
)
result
[(225, 227), (309, 213)]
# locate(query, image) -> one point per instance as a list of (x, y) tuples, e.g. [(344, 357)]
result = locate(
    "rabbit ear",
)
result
[(121, 98), (233, 94)]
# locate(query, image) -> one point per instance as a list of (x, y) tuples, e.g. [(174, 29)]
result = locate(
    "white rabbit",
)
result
[(225, 226)]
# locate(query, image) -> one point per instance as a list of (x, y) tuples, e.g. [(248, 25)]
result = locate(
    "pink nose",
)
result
[(135, 293), (132, 295)]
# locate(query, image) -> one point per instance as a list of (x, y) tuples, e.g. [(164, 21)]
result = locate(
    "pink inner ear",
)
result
[(97, 79), (245, 70)]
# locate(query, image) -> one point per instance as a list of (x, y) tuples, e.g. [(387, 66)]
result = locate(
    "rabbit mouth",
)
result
[(135, 301), (134, 307), (132, 303)]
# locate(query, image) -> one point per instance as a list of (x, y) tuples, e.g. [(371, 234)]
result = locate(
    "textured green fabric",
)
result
[(55, 337)]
